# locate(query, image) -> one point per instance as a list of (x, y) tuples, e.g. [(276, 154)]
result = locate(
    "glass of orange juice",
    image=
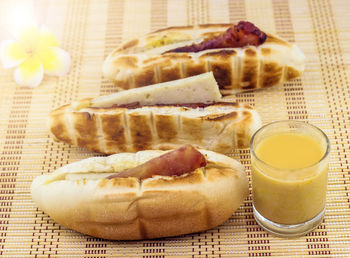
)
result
[(289, 162)]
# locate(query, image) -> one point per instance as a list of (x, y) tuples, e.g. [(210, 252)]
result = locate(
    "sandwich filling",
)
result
[(174, 163), (240, 35)]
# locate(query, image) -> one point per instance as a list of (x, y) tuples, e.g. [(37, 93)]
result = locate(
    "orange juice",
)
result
[(289, 151), (288, 197), (289, 173)]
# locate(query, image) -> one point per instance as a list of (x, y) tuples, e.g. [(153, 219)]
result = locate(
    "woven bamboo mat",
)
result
[(89, 30)]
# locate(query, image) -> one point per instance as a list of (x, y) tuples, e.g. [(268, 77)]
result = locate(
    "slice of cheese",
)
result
[(196, 89)]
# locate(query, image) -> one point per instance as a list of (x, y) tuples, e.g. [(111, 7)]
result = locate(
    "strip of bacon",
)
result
[(174, 163), (240, 35)]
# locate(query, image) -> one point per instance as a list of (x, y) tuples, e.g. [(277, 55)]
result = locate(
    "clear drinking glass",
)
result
[(289, 202)]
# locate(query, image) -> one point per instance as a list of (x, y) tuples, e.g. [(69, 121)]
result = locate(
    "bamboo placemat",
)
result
[(89, 30)]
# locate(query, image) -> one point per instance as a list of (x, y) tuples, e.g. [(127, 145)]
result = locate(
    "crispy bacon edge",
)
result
[(240, 35), (174, 163)]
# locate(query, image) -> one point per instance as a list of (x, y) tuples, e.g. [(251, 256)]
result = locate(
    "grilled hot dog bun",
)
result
[(145, 61), (155, 117), (220, 126), (81, 197)]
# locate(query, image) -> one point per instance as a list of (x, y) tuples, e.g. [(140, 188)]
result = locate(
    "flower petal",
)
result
[(55, 61), (12, 53), (28, 35), (47, 38), (30, 73)]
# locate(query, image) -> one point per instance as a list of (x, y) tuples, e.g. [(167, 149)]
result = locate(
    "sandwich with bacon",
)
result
[(148, 194), (241, 56)]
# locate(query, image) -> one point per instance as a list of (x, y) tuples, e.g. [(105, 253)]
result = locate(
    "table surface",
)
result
[(89, 30)]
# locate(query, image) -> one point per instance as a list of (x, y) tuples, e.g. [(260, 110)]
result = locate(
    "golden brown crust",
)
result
[(166, 127), (129, 209), (220, 127), (140, 130), (192, 67), (58, 125), (235, 69), (292, 73), (113, 130), (272, 74), (221, 64), (250, 69), (85, 128)]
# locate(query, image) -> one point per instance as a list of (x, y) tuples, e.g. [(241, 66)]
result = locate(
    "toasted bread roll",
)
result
[(220, 126), (81, 197), (145, 60)]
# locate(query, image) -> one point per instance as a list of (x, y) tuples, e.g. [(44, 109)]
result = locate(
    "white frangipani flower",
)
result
[(34, 52)]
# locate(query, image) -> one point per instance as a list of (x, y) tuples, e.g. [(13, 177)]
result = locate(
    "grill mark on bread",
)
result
[(236, 71), (179, 122), (169, 71), (127, 131), (86, 130), (153, 128), (241, 132), (150, 61), (126, 61), (182, 56), (249, 69), (100, 134), (194, 68), (250, 52), (140, 131), (166, 127), (272, 74), (190, 128), (284, 72), (114, 130), (61, 126), (157, 73), (131, 82), (258, 69), (265, 51), (130, 44), (124, 84), (182, 69), (222, 71), (291, 73), (207, 67), (147, 77), (60, 130)]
